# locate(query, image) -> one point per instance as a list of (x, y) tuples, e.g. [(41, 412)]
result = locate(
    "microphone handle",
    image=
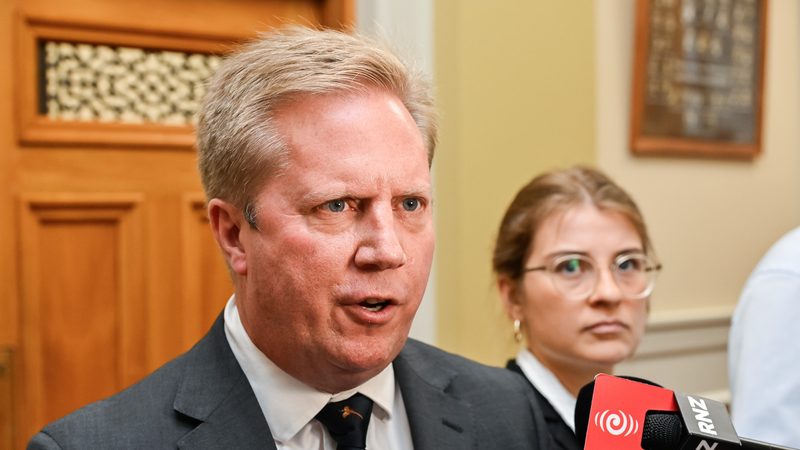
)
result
[(758, 445)]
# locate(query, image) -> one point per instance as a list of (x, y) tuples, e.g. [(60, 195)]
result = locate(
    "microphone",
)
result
[(665, 431), (634, 414)]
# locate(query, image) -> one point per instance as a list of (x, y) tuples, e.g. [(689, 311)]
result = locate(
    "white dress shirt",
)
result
[(290, 405), (764, 348), (548, 385)]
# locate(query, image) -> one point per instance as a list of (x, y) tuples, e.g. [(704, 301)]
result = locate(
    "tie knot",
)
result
[(347, 421)]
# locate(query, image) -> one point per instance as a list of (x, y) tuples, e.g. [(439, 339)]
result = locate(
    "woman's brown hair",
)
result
[(553, 192)]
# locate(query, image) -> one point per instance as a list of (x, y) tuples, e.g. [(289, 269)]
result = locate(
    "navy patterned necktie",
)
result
[(347, 421)]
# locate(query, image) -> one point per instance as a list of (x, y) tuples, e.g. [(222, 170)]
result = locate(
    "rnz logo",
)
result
[(616, 423)]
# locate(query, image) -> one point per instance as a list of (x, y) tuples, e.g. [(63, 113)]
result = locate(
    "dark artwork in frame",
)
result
[(698, 78)]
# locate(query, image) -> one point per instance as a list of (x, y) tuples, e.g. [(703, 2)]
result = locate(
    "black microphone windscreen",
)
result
[(662, 431)]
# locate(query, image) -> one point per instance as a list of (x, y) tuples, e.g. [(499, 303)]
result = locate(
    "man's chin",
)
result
[(368, 356), (369, 360)]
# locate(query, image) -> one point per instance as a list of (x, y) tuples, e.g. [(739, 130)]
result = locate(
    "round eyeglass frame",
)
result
[(650, 268)]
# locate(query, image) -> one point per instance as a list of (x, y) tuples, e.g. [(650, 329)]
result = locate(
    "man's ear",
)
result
[(227, 224), (508, 294)]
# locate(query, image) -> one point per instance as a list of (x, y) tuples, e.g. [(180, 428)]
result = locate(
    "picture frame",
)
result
[(698, 78)]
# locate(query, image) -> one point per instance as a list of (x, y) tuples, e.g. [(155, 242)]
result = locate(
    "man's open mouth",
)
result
[(374, 304)]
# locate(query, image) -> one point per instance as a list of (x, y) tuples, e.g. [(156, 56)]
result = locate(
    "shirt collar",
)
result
[(548, 385), (287, 403)]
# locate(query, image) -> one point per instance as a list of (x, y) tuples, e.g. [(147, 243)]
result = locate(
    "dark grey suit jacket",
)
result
[(563, 436), (202, 400)]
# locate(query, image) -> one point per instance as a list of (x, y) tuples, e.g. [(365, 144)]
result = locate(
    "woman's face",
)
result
[(588, 334)]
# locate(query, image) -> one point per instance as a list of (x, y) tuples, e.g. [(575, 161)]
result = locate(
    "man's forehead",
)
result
[(301, 115), (315, 102), (351, 140)]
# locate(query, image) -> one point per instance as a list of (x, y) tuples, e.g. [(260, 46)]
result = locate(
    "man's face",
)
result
[(338, 265)]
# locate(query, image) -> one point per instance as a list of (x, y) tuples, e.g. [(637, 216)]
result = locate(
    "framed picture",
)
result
[(698, 78)]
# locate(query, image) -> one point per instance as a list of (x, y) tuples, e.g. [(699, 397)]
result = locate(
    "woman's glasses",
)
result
[(576, 275)]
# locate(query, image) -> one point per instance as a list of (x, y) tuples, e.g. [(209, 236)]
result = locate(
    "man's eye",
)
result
[(338, 205), (411, 204)]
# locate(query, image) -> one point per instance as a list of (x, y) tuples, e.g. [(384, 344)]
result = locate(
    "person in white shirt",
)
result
[(314, 151), (575, 269), (764, 347)]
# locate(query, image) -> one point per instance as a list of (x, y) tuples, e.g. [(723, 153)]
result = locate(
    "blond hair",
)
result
[(554, 192), (238, 145)]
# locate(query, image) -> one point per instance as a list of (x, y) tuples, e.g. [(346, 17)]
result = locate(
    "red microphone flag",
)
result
[(619, 406)]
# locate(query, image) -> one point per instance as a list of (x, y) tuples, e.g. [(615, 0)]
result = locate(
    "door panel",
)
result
[(107, 265), (205, 278), (81, 299)]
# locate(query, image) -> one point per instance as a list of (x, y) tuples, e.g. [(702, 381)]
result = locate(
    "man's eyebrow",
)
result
[(414, 193), (328, 193), (319, 196), (315, 197), (422, 190)]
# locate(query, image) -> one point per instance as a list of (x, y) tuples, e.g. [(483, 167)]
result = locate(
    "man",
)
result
[(315, 151), (763, 348)]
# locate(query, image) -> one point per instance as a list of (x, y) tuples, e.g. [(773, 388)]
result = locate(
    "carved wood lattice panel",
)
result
[(87, 82)]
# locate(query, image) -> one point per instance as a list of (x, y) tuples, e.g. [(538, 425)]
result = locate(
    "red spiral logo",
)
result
[(616, 423)]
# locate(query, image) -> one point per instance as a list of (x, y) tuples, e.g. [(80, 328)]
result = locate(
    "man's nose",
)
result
[(379, 244)]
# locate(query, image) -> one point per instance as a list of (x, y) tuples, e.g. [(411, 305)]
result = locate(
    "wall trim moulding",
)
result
[(685, 350), (685, 331), (35, 128)]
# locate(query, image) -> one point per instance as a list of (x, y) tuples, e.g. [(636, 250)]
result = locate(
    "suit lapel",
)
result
[(562, 435), (215, 392), (438, 420), (237, 423)]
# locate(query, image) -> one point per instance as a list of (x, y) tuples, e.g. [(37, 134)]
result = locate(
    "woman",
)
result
[(575, 269)]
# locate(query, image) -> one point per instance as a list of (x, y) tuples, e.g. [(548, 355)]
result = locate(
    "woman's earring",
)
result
[(517, 330)]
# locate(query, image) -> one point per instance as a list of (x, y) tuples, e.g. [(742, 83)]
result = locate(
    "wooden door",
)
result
[(107, 265)]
